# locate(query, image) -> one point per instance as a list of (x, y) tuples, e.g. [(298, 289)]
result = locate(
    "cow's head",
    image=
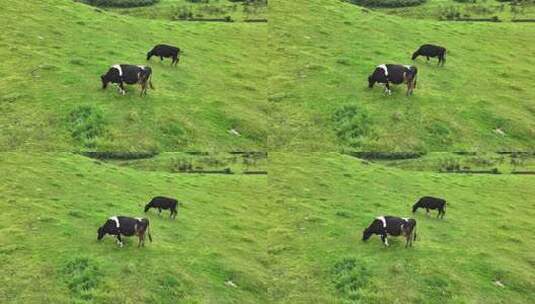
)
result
[(105, 81), (414, 207), (366, 234), (100, 233), (147, 207), (371, 81), (149, 54)]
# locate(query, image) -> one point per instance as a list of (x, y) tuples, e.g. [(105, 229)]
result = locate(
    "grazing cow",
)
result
[(429, 50), (396, 74), (129, 74), (162, 50), (161, 202), (391, 225), (127, 226), (429, 202)]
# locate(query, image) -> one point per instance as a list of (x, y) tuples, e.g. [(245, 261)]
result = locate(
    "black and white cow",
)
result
[(429, 202), (127, 226), (396, 74), (429, 50), (394, 226), (163, 50), (129, 74), (161, 202)]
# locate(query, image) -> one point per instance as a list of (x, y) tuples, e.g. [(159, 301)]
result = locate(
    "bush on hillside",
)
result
[(119, 3), (387, 3), (352, 124)]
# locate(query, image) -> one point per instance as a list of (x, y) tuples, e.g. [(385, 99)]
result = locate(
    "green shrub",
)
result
[(387, 3), (120, 3), (81, 275), (351, 279), (86, 124), (352, 125)]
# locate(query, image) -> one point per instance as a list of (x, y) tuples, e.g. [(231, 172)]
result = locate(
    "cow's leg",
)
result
[(409, 87), (427, 211), (384, 239), (143, 89), (119, 241), (159, 211), (121, 85), (427, 58), (141, 237), (387, 89), (161, 58)]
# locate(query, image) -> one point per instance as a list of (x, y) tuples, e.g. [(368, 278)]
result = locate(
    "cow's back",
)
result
[(432, 200), (164, 200)]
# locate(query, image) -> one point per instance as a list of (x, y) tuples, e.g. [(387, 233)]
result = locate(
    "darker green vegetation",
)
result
[(352, 124), (120, 3), (387, 3)]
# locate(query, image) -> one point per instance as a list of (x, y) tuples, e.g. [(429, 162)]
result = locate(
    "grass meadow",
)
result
[(279, 152), (480, 101), (54, 52)]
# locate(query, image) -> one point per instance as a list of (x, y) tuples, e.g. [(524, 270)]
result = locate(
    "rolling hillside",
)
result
[(291, 237), (54, 52), (214, 252), (323, 51), (482, 252)]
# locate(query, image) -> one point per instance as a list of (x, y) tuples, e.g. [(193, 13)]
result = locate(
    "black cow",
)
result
[(394, 226), (162, 50), (129, 74), (127, 226), (396, 74), (429, 202), (162, 202), (429, 50)]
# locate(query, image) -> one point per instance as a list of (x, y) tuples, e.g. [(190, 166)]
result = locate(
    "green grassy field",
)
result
[(325, 200), (287, 101), (53, 204), (324, 53), (290, 237), (61, 107), (435, 9)]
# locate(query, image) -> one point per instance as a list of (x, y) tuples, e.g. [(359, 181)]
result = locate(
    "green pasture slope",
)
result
[(325, 200), (54, 51), (53, 203), (323, 51)]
